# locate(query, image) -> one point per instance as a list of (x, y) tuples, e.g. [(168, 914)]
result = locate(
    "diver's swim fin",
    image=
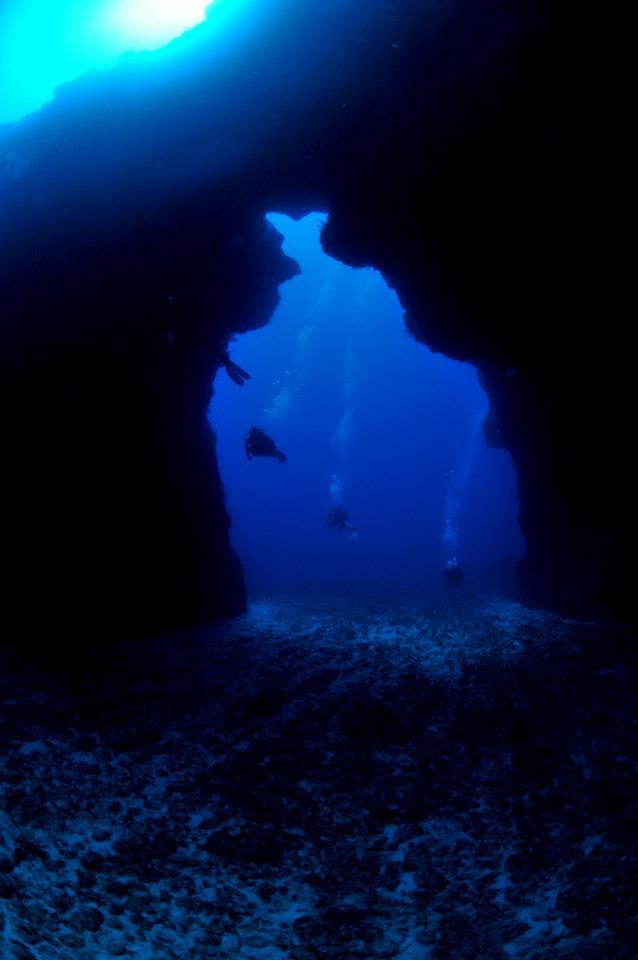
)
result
[(236, 374)]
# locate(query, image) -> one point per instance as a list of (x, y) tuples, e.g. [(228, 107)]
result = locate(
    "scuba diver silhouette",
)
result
[(339, 519), (453, 575), (258, 444)]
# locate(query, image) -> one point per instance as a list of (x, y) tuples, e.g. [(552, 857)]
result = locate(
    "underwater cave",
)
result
[(370, 421), (242, 715)]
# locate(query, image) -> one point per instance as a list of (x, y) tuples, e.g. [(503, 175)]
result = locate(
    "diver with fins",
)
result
[(197, 339), (453, 575), (257, 443), (236, 373), (339, 519)]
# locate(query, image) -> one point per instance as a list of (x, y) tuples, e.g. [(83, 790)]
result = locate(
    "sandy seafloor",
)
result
[(331, 780)]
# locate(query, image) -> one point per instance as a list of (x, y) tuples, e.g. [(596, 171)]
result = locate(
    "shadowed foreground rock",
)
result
[(326, 783)]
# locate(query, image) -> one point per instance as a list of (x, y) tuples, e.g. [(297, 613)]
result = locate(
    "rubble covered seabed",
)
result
[(331, 780)]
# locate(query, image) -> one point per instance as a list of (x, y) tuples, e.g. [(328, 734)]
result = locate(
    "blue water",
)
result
[(371, 420)]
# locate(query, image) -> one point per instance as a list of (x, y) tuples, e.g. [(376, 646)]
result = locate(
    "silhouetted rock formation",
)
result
[(464, 150), (114, 507)]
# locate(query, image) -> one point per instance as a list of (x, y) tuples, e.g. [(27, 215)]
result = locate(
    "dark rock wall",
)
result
[(466, 150), (114, 507)]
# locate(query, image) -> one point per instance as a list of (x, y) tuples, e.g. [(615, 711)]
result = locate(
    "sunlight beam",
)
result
[(152, 23)]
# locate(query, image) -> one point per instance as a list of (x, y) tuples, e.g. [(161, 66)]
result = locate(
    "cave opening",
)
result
[(371, 422)]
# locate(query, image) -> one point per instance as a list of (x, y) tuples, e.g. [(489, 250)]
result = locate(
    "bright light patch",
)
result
[(45, 43), (152, 23)]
